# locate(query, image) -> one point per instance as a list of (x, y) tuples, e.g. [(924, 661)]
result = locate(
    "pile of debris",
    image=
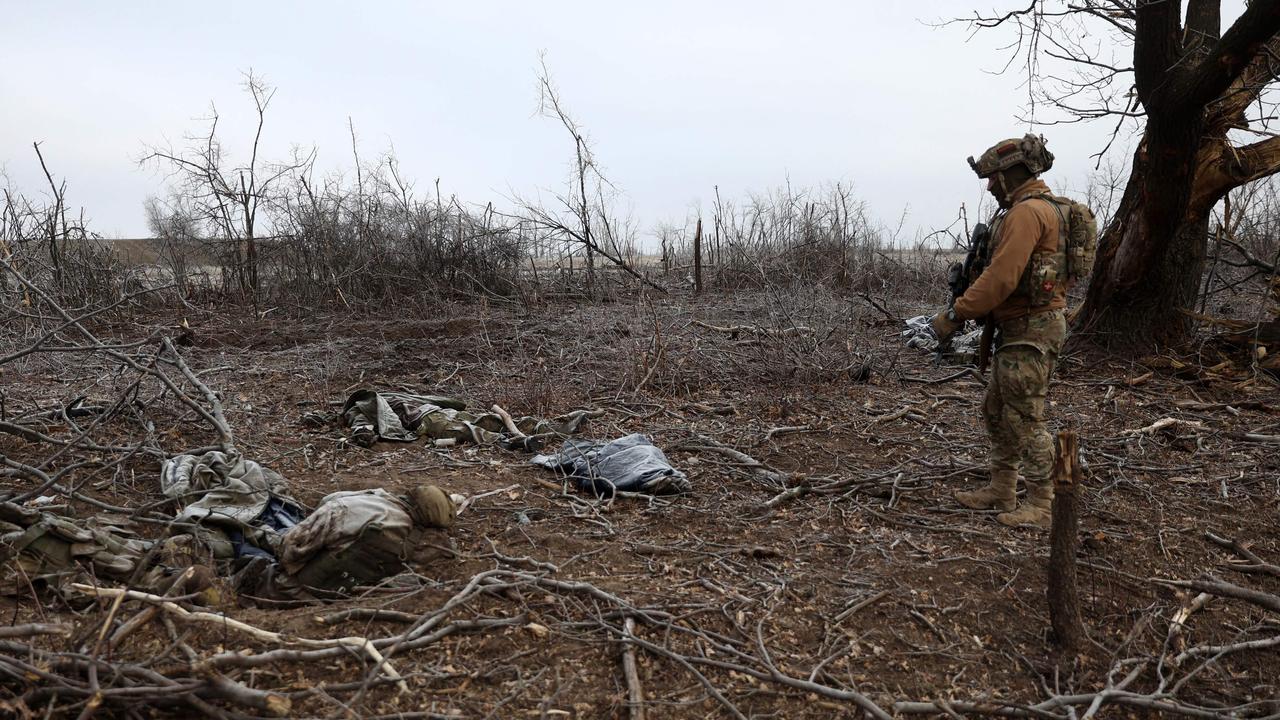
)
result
[(960, 349)]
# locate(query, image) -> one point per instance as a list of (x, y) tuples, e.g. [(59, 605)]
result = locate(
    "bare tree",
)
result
[(40, 238), (173, 225), (590, 223), (227, 200), (1197, 94)]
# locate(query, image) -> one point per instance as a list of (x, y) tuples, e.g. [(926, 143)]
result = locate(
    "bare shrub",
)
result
[(799, 238), (55, 251), (783, 337), (1240, 277), (374, 240), (582, 222), (223, 199), (176, 242)]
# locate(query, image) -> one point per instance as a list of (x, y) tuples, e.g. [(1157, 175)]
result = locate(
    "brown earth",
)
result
[(953, 603)]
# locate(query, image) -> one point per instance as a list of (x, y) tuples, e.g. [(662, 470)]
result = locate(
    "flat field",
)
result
[(872, 584)]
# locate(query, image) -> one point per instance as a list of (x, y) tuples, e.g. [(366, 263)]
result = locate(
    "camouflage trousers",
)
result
[(1013, 408)]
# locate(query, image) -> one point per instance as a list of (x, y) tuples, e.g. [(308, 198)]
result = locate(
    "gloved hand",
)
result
[(945, 324)]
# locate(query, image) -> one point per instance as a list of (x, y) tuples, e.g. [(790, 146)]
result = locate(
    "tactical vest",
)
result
[(1071, 261)]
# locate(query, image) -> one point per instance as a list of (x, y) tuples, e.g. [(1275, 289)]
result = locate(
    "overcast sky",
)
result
[(677, 97)]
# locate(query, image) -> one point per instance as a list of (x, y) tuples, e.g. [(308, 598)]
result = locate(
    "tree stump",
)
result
[(1063, 593)]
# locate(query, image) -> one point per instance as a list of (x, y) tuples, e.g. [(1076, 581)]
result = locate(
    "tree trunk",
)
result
[(1196, 85), (1140, 307), (697, 259), (1151, 257)]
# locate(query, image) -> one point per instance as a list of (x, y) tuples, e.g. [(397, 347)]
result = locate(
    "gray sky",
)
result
[(677, 97)]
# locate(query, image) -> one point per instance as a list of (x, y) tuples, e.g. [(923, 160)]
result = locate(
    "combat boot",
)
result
[(1036, 511), (997, 495)]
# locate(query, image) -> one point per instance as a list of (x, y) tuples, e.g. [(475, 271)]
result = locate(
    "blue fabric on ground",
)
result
[(628, 464)]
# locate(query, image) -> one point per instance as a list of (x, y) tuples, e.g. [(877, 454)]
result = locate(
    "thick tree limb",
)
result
[(1155, 50), (1225, 589), (1229, 56), (1204, 21)]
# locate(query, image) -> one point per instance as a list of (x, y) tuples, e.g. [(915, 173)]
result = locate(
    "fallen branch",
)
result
[(1202, 650), (215, 405), (181, 613), (1255, 564), (861, 604), (1163, 423), (1178, 624), (791, 430), (735, 330), (790, 494), (1046, 708), (760, 470), (635, 693), (508, 422), (1225, 589), (32, 629), (367, 614)]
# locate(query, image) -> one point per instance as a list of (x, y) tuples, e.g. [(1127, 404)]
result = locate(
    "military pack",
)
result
[(1073, 261)]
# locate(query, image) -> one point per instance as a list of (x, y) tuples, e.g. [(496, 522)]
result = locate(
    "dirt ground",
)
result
[(874, 582)]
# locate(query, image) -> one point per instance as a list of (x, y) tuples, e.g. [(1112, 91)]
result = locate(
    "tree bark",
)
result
[(1143, 280)]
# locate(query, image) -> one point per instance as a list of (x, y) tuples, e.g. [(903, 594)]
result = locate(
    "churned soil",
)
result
[(878, 583)]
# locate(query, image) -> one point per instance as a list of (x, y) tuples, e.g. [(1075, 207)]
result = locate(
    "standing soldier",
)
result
[(1022, 290)]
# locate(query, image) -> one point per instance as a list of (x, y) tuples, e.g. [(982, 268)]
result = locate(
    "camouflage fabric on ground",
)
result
[(230, 504), (353, 539), (380, 415), (43, 550)]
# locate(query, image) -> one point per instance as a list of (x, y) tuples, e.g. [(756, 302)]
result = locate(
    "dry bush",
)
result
[(794, 337), (798, 237), (59, 255), (1240, 277), (374, 242)]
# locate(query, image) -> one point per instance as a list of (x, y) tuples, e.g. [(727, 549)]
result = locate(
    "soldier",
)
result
[(43, 549), (1019, 291), (353, 538), (363, 536)]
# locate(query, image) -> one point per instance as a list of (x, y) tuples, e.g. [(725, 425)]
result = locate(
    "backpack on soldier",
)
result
[(1073, 261), (1077, 236)]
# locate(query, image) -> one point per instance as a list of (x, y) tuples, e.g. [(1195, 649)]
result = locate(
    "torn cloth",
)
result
[(244, 504), (41, 547), (374, 416), (340, 520), (403, 417), (628, 464), (354, 538)]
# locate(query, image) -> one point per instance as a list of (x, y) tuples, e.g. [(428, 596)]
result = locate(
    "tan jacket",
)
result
[(1029, 226)]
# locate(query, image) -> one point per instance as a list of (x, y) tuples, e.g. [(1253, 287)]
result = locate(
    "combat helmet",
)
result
[(431, 506), (1028, 150)]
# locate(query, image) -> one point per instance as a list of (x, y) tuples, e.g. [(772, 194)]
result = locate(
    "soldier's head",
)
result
[(1010, 163), (432, 507)]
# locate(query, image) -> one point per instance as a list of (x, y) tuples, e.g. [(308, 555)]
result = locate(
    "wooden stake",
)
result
[(1063, 593), (697, 259)]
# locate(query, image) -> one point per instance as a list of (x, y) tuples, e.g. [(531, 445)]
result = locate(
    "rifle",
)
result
[(962, 275)]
